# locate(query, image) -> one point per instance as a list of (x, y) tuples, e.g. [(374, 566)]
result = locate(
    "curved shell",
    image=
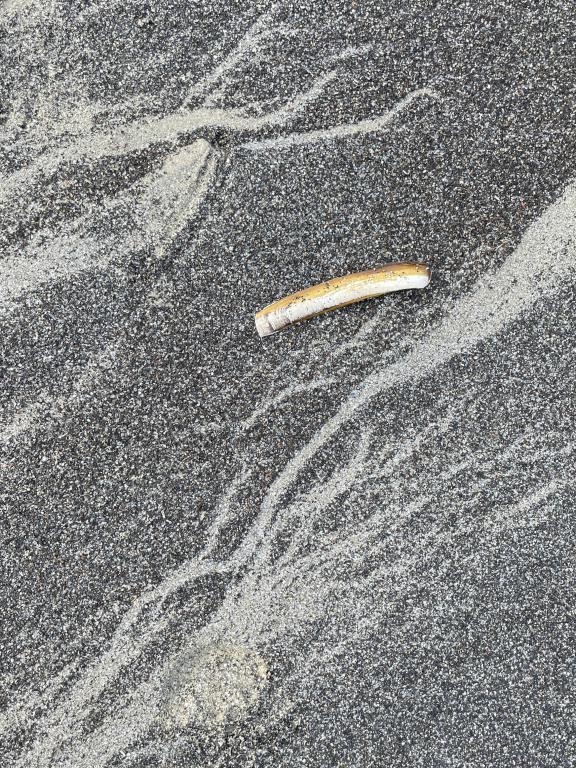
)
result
[(339, 292)]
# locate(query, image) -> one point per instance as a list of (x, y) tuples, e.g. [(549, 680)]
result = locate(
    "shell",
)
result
[(339, 292)]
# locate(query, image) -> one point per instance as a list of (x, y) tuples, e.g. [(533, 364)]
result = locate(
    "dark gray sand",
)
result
[(353, 544)]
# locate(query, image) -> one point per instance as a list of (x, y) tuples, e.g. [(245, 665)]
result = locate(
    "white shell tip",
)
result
[(263, 326)]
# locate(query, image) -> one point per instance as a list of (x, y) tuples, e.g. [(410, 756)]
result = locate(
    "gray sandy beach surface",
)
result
[(351, 544)]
